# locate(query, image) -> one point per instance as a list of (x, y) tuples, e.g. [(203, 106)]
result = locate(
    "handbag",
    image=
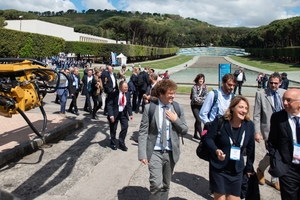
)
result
[(202, 150)]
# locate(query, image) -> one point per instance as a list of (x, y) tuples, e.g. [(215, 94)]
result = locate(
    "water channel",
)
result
[(209, 67)]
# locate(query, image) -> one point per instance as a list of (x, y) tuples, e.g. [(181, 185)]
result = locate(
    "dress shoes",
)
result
[(95, 117), (113, 147), (123, 147), (275, 185), (76, 113), (260, 177), (86, 110), (196, 137)]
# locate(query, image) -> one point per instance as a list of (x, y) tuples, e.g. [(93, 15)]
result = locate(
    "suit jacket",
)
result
[(152, 92), (107, 82), (113, 105), (64, 86), (222, 142), (280, 144), (85, 85), (148, 133), (237, 72), (263, 109), (146, 80)]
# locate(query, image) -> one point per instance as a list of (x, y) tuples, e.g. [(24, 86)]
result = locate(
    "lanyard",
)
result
[(242, 140)]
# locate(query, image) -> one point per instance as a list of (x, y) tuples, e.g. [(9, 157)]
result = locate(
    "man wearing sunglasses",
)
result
[(267, 102)]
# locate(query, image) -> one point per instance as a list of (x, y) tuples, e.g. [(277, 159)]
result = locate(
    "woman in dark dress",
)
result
[(198, 95), (226, 164)]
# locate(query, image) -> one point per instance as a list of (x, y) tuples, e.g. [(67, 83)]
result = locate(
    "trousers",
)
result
[(161, 167)]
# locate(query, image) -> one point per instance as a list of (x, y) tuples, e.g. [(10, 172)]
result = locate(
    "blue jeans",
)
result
[(63, 101)]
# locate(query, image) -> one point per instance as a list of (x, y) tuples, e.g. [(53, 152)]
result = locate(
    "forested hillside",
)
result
[(166, 30)]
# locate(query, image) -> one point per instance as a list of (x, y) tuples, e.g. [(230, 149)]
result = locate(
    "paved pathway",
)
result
[(82, 166)]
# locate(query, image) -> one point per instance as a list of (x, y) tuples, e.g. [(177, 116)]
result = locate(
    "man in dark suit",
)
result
[(87, 90), (75, 88), (150, 94), (143, 88), (119, 109), (159, 140), (109, 80), (284, 146)]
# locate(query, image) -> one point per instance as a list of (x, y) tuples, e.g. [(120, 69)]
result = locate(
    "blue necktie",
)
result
[(296, 120), (277, 104)]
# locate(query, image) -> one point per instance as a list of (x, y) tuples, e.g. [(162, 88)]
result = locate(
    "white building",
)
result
[(46, 28)]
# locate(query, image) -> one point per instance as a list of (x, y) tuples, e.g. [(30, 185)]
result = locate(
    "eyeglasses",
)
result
[(274, 83), (171, 94)]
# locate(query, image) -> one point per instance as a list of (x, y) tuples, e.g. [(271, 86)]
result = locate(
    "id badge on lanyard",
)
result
[(235, 152), (296, 153)]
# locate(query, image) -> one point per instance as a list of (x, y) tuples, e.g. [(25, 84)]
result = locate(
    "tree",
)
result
[(119, 25), (2, 22)]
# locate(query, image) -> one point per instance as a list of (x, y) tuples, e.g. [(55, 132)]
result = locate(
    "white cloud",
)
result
[(97, 4), (217, 12), (220, 13), (37, 5)]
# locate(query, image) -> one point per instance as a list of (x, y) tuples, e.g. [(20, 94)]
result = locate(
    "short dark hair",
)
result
[(275, 75), (227, 77), (198, 77), (164, 85)]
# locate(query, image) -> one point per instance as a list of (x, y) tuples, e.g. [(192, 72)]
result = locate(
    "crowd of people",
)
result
[(163, 121)]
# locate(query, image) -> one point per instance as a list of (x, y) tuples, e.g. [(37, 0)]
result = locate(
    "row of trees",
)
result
[(166, 30)]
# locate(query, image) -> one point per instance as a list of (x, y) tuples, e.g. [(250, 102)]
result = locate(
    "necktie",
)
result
[(122, 99), (164, 128), (296, 120), (277, 104)]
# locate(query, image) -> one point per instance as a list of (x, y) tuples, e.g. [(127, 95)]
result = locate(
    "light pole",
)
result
[(20, 17)]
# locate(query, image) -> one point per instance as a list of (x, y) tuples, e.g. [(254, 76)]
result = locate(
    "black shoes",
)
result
[(123, 147), (73, 112), (196, 137), (113, 147), (95, 117)]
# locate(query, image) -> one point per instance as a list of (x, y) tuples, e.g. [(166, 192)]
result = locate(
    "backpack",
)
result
[(140, 79), (215, 101), (152, 110), (202, 150)]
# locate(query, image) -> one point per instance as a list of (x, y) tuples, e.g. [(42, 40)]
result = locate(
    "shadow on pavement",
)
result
[(133, 193), (58, 169), (193, 182)]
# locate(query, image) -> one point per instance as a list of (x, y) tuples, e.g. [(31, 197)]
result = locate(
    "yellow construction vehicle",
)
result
[(23, 85)]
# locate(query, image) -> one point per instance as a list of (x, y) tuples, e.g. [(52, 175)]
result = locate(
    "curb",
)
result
[(31, 146)]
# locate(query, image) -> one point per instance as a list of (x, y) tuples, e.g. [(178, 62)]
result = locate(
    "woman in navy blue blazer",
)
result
[(226, 164)]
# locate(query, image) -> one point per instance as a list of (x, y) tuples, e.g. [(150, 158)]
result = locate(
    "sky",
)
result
[(225, 13)]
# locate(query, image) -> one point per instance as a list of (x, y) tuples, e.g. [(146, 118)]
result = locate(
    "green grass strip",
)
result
[(265, 64), (166, 63)]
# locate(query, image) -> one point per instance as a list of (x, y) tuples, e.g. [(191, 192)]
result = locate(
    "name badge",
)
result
[(296, 153), (235, 153)]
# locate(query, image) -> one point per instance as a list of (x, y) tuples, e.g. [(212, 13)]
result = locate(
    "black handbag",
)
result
[(202, 150)]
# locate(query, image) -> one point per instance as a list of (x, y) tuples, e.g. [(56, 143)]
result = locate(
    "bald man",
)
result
[(284, 145)]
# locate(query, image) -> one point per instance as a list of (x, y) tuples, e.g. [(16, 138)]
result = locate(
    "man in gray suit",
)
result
[(267, 101), (159, 139)]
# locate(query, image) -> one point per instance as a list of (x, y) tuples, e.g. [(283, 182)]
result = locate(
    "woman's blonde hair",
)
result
[(235, 101)]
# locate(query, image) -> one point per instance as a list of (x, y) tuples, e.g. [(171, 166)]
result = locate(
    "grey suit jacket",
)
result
[(263, 109), (149, 132)]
